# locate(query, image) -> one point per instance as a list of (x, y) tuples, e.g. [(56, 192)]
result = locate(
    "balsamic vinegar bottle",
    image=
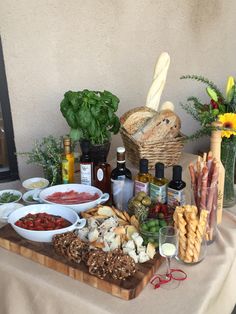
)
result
[(158, 185), (175, 189)]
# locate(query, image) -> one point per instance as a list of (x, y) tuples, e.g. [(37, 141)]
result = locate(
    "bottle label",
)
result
[(65, 171), (86, 173), (175, 197), (158, 193), (100, 174), (141, 187)]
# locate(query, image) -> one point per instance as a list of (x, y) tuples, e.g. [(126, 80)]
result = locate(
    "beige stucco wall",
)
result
[(53, 46)]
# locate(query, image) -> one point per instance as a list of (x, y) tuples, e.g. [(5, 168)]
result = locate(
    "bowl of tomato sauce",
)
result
[(40, 222), (79, 197)]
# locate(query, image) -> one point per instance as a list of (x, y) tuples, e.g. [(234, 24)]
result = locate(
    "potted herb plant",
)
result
[(91, 116)]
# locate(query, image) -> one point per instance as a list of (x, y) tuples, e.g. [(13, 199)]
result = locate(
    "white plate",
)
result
[(77, 188), (7, 209), (15, 192), (45, 236), (34, 183)]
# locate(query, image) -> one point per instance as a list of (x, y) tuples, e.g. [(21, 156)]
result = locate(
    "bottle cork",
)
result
[(216, 151)]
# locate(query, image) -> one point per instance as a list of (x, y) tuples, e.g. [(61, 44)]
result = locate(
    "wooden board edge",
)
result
[(105, 286)]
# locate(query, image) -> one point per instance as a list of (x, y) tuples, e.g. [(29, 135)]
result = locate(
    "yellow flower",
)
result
[(229, 121)]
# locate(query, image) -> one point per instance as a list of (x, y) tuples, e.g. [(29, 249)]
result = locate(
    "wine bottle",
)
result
[(143, 178), (175, 188), (121, 181), (158, 185), (86, 165), (68, 161), (215, 148)]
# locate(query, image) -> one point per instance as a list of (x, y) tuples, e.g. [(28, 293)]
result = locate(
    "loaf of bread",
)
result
[(133, 119), (164, 125), (145, 124)]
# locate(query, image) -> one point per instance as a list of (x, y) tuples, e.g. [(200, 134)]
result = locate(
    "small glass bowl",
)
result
[(149, 230)]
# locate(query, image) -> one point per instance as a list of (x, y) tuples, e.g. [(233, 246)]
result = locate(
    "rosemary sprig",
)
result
[(204, 80)]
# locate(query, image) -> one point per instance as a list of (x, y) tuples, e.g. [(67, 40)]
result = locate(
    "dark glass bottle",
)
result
[(175, 190), (121, 172), (102, 173), (158, 185), (86, 165), (121, 182)]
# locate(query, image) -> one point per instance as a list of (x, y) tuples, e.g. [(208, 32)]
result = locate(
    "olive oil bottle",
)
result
[(143, 178), (158, 185), (68, 161)]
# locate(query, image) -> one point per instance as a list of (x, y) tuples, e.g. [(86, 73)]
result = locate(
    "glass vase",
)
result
[(53, 174), (228, 152)]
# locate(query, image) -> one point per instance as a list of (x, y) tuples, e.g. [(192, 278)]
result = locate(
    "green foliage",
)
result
[(204, 80), (47, 154), (91, 115)]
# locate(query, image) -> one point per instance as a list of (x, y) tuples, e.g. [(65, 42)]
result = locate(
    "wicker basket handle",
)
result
[(159, 80)]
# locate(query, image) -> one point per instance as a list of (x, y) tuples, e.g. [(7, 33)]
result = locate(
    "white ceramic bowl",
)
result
[(35, 183), (45, 236), (28, 194), (15, 192), (42, 195), (7, 209)]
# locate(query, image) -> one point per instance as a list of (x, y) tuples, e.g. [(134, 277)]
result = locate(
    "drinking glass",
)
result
[(168, 245)]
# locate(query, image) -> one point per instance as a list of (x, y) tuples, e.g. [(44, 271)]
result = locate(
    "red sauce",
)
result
[(42, 222)]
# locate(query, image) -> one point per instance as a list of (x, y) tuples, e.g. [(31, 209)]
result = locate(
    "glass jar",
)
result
[(206, 198)]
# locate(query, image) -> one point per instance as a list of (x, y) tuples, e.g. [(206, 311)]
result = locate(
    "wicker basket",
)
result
[(167, 152)]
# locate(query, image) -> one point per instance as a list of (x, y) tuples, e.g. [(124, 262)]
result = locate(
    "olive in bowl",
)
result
[(149, 230)]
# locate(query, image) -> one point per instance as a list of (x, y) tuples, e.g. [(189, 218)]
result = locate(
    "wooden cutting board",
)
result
[(44, 254)]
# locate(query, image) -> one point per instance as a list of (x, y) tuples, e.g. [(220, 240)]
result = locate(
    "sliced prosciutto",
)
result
[(71, 197)]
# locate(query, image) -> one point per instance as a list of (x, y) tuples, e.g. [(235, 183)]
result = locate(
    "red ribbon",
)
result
[(157, 280)]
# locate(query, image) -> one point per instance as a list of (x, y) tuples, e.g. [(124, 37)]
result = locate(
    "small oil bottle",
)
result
[(102, 173), (142, 179), (68, 162), (175, 190), (158, 185), (86, 165)]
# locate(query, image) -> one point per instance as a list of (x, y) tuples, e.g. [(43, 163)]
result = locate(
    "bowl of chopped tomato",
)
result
[(40, 222), (79, 197)]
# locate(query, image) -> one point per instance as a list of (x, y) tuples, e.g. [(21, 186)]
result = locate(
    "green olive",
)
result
[(138, 198), (146, 201), (142, 194)]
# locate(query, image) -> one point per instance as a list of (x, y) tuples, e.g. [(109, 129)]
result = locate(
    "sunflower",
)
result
[(229, 122)]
